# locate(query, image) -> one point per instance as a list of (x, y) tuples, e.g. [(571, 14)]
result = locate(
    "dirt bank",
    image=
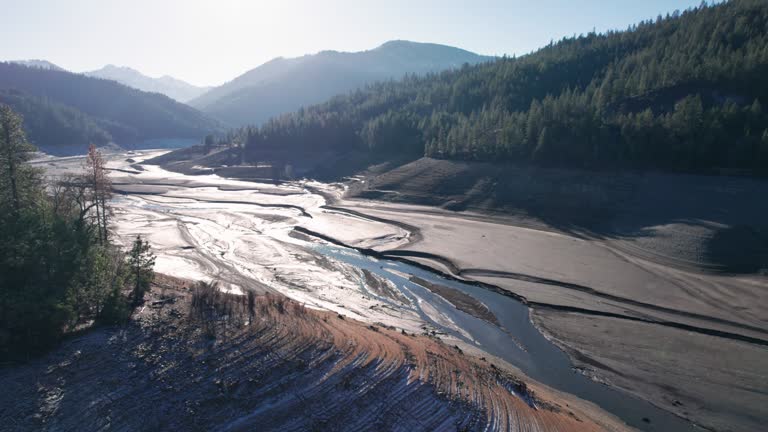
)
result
[(688, 251), (282, 367)]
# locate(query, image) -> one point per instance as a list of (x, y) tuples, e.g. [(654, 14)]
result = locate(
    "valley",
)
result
[(301, 239), (384, 216)]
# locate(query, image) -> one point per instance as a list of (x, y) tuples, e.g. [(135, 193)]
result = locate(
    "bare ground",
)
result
[(286, 368), (675, 257), (654, 283), (718, 383), (462, 301)]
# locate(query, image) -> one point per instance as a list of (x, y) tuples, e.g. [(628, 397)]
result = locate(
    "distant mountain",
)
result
[(42, 64), (64, 111), (285, 84), (167, 85)]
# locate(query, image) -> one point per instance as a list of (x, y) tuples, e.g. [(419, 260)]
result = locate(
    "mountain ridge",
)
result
[(64, 112), (285, 84), (170, 86), (38, 63)]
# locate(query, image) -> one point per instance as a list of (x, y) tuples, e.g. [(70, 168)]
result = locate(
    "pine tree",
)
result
[(141, 263), (14, 151)]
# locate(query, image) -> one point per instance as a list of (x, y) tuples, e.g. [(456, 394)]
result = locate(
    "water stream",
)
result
[(516, 340)]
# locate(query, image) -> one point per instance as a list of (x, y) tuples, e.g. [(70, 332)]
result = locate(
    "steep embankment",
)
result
[(690, 221), (279, 367)]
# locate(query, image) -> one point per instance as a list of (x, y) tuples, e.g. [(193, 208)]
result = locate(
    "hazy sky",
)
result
[(210, 42)]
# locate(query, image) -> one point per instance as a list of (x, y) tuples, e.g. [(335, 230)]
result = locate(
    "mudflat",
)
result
[(717, 383), (568, 243), (655, 283)]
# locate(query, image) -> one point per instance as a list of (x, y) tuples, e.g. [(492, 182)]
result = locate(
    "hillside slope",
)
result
[(56, 128), (127, 115), (284, 85), (283, 368), (696, 222)]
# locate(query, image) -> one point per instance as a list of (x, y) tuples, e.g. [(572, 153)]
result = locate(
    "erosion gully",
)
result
[(516, 340)]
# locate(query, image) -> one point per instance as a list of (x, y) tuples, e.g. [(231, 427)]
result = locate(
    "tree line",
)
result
[(685, 91), (58, 266)]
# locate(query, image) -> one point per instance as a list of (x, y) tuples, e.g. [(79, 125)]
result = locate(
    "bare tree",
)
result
[(101, 189), (73, 193)]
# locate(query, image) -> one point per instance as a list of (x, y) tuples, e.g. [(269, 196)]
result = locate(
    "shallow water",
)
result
[(516, 340)]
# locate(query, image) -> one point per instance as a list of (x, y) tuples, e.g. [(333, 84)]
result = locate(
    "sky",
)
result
[(211, 42)]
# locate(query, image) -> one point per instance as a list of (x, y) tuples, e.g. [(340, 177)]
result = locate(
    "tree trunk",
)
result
[(137, 289), (11, 169), (104, 218), (96, 200)]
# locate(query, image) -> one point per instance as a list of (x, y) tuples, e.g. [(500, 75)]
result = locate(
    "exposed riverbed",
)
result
[(244, 236), (514, 340)]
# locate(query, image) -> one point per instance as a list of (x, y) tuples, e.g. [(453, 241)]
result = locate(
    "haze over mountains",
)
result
[(64, 112), (172, 87), (286, 84)]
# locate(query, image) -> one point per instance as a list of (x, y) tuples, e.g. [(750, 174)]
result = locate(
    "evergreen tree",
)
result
[(141, 262), (56, 269), (209, 143), (14, 151)]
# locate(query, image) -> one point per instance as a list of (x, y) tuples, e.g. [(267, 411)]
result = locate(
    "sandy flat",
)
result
[(523, 259), (720, 383)]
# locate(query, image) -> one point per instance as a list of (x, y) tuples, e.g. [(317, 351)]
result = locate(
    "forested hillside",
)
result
[(51, 124), (63, 109), (683, 92)]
